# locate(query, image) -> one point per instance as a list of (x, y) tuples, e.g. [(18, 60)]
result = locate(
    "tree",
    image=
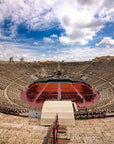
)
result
[(22, 59)]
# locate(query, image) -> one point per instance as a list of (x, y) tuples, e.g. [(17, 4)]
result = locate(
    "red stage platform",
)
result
[(77, 91)]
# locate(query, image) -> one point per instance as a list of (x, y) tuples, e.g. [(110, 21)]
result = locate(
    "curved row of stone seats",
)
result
[(18, 104), (48, 68), (11, 74), (3, 83), (12, 71), (1, 93), (109, 108), (100, 66), (112, 81), (98, 82), (14, 94), (26, 79), (104, 85), (73, 66), (3, 86), (66, 68), (22, 83), (89, 114), (101, 80), (2, 98), (106, 99), (12, 109), (14, 74), (107, 75), (5, 103), (92, 79)]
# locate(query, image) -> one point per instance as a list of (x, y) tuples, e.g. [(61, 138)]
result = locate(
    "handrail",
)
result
[(52, 130), (46, 140)]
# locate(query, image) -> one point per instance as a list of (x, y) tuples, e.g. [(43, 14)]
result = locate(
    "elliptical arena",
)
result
[(25, 86)]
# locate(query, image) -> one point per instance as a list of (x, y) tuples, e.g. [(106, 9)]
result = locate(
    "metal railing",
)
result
[(52, 132)]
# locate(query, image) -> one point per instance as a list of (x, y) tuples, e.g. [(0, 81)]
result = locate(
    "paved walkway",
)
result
[(20, 130)]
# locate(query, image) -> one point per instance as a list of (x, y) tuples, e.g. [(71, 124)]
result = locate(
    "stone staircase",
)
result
[(56, 134), (61, 136)]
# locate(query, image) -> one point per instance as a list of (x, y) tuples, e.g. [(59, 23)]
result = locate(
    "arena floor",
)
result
[(82, 93)]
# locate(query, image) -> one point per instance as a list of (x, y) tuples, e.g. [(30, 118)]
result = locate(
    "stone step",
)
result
[(62, 126), (61, 136), (59, 141), (62, 141), (61, 131)]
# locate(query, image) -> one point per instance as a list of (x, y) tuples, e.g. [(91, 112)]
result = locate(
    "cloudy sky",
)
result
[(69, 30)]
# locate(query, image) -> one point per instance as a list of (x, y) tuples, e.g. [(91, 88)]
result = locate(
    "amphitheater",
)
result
[(17, 128)]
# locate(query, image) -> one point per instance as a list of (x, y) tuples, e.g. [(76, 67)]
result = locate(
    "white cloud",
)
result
[(77, 18), (66, 41), (106, 41), (110, 14), (35, 14), (79, 23), (35, 43), (81, 54), (15, 50), (8, 49), (3, 37), (43, 55), (48, 40), (80, 19), (54, 36)]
